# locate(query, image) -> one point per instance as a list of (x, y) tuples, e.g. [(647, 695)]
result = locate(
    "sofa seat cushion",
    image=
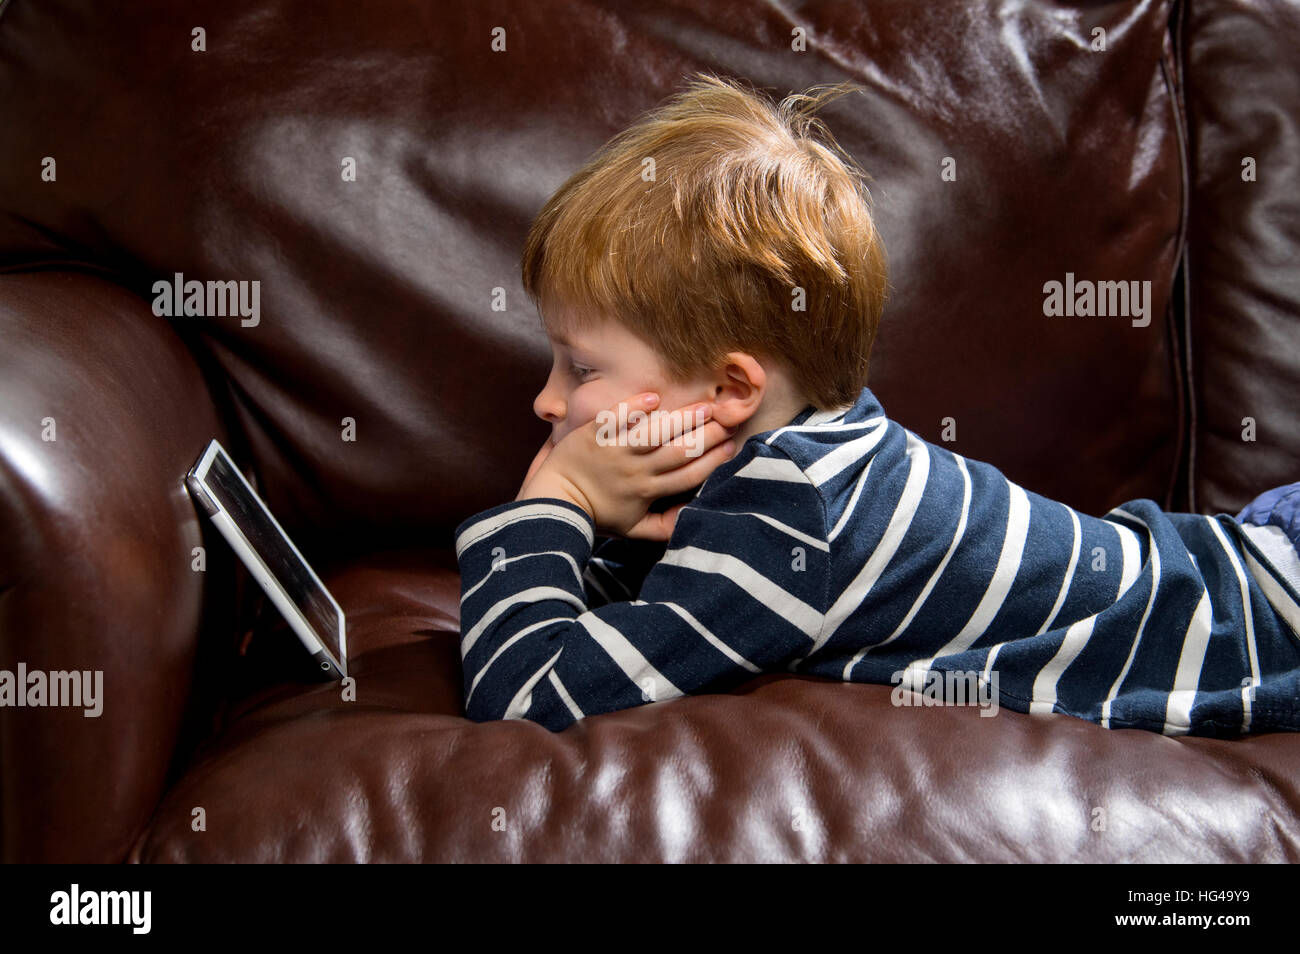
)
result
[(786, 768)]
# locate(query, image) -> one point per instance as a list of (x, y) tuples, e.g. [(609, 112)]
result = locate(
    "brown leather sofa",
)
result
[(221, 155)]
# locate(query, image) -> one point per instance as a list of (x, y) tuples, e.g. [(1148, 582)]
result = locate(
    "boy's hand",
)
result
[(616, 483)]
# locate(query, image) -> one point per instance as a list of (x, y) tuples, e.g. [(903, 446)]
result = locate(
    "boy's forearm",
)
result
[(522, 566), (534, 647)]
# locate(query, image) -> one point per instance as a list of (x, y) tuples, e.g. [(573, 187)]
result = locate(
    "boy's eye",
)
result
[(579, 372)]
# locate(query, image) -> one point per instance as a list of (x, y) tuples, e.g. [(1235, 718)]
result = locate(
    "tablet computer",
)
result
[(263, 546)]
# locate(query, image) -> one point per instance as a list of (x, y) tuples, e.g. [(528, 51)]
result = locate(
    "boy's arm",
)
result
[(742, 589)]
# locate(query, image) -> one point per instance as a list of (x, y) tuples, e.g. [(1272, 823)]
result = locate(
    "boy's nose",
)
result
[(548, 406)]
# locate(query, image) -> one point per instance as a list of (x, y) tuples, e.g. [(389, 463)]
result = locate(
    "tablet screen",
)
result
[(232, 494)]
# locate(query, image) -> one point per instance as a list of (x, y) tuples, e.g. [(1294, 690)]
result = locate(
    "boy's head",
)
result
[(721, 248)]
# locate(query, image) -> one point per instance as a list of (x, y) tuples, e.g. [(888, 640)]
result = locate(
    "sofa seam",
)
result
[(1184, 269)]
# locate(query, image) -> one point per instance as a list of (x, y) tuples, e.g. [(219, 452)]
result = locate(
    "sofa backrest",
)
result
[(1241, 80), (1011, 145)]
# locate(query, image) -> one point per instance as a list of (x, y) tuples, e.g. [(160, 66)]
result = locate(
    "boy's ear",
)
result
[(738, 389)]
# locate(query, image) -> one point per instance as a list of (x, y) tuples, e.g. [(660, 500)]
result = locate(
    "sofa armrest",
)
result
[(103, 412)]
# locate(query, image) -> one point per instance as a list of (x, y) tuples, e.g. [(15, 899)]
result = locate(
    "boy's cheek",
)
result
[(583, 414), (592, 406)]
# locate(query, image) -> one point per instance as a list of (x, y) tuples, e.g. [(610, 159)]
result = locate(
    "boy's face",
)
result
[(596, 368)]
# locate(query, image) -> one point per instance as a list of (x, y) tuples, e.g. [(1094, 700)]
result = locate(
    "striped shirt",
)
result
[(844, 546)]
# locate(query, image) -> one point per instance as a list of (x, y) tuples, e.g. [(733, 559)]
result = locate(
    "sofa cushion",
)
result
[(786, 768), (1243, 287)]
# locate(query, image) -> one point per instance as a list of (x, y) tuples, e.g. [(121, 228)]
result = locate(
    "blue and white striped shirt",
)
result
[(844, 546)]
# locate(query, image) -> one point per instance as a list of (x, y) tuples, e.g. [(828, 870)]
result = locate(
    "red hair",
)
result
[(697, 227)]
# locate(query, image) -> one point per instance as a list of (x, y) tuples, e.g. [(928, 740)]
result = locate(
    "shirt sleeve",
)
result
[(741, 589)]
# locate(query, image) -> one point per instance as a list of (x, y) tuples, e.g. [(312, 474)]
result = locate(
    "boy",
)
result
[(717, 260)]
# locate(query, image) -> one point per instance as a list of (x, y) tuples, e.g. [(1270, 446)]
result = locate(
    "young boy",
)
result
[(718, 260)]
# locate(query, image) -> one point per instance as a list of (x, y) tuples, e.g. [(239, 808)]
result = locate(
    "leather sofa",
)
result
[(215, 140)]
